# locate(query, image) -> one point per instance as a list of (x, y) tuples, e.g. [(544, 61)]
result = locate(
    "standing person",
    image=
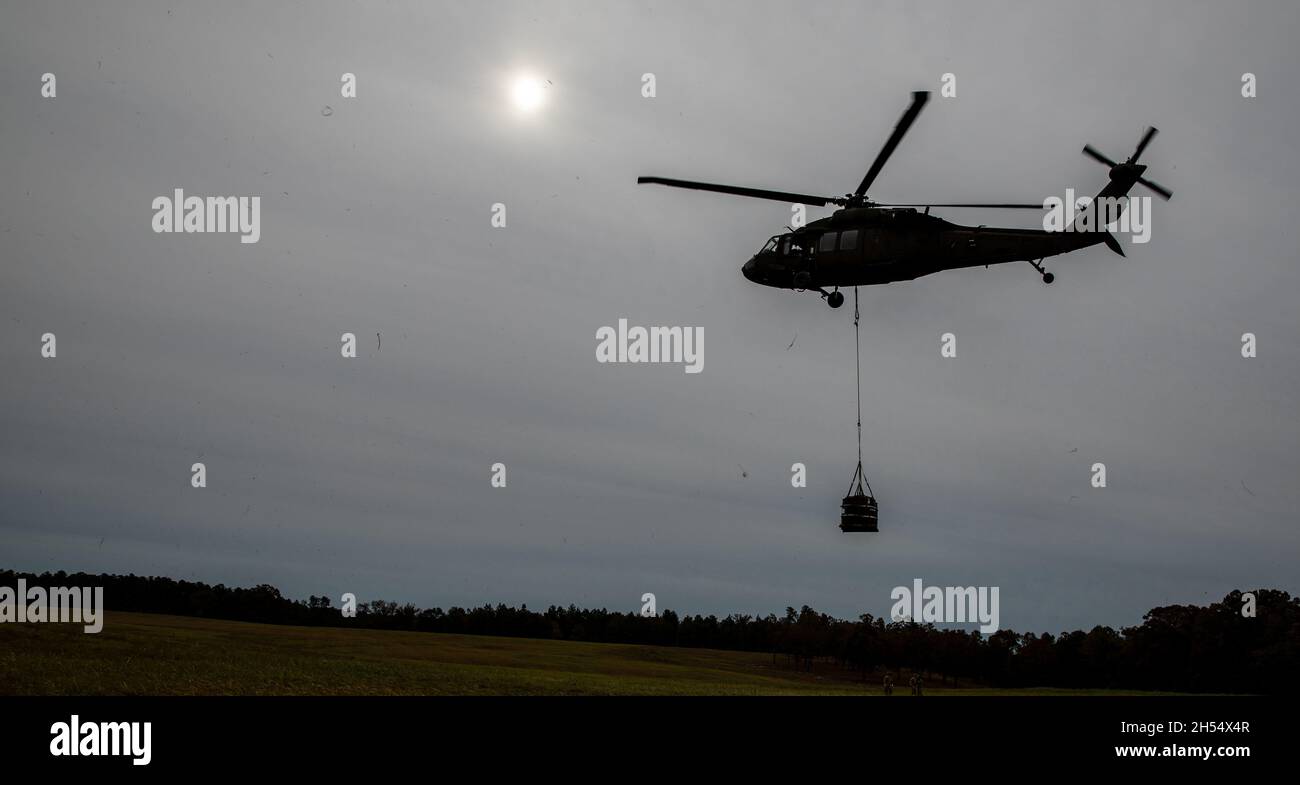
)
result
[(889, 684)]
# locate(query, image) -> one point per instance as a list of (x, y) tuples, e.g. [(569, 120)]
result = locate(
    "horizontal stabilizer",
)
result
[(1112, 243)]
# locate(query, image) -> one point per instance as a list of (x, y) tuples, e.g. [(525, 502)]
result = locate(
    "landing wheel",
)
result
[(1038, 265), (835, 299)]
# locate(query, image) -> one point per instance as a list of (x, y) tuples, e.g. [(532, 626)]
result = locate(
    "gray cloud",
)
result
[(371, 475)]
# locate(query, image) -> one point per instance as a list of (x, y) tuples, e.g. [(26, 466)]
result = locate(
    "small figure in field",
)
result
[(918, 688), (912, 682), (889, 684)]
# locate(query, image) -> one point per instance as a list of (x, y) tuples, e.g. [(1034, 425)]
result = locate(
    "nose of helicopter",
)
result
[(748, 268)]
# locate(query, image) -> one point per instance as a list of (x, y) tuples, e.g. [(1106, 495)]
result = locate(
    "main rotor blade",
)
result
[(990, 206), (1092, 151), (1142, 145), (757, 193), (918, 100), (1160, 189)]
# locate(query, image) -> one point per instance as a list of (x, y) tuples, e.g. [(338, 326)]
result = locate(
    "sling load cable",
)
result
[(859, 508), (857, 367)]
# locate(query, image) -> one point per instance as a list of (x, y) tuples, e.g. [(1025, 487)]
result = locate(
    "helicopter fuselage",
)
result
[(870, 246), (869, 243)]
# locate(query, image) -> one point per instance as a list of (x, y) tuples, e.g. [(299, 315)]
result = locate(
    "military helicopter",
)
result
[(868, 243)]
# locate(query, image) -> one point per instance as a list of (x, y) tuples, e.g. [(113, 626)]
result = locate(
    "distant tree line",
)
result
[(1183, 648)]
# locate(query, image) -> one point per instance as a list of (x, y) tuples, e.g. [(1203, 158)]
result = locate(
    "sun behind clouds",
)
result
[(528, 92)]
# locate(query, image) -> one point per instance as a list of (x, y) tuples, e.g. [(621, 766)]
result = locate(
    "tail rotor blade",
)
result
[(1165, 193), (1092, 152), (1142, 145)]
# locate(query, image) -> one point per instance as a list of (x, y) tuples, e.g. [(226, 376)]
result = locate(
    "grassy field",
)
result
[(149, 654)]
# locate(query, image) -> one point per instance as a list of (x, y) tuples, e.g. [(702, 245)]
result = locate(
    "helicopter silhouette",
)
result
[(868, 243)]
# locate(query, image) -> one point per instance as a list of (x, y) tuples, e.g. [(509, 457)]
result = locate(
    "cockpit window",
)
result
[(849, 240), (827, 243), (771, 244)]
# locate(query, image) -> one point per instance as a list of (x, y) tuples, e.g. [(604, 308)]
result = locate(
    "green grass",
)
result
[(150, 654)]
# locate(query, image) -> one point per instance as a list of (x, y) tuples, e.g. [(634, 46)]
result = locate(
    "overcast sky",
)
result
[(371, 475)]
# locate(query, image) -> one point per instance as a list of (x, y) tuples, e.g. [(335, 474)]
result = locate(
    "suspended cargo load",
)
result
[(859, 511), (859, 514)]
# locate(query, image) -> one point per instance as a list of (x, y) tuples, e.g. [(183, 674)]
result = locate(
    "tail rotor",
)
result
[(1131, 168)]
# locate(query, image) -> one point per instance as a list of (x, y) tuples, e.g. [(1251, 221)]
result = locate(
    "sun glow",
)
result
[(528, 93)]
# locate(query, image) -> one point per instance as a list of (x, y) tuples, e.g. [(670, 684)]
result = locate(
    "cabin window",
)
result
[(849, 240), (827, 243)]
